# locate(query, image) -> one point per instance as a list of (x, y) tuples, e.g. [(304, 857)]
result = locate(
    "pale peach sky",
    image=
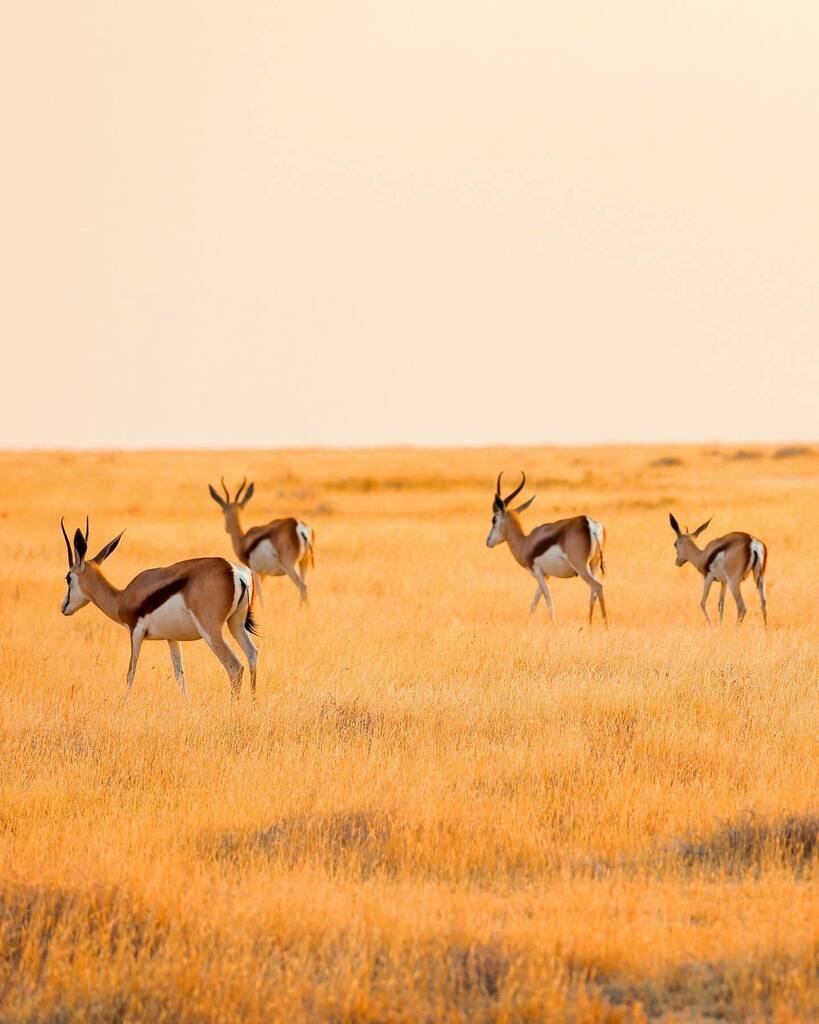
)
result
[(249, 223)]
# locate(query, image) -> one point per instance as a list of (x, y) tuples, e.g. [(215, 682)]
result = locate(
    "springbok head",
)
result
[(685, 540), (501, 512), (228, 507), (79, 568)]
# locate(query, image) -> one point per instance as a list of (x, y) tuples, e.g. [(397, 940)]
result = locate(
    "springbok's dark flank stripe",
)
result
[(158, 598), (746, 544), (718, 550), (544, 544), (256, 542), (268, 535)]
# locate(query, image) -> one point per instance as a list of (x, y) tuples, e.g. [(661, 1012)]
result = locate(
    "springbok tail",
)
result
[(597, 535), (250, 622), (759, 559), (308, 536)]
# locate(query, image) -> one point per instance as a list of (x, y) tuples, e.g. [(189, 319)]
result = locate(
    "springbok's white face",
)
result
[(75, 597), (496, 534), (501, 511), (79, 571)]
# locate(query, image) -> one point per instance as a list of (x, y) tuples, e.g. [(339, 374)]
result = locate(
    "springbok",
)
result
[(190, 600), (283, 547), (728, 559), (567, 548)]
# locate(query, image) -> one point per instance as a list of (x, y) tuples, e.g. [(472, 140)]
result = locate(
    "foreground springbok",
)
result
[(190, 600), (727, 559), (283, 547), (567, 548)]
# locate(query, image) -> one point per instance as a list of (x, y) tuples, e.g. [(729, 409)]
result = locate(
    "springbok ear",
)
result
[(248, 496), (704, 526), (525, 505), (216, 497), (675, 526), (109, 549), (80, 548)]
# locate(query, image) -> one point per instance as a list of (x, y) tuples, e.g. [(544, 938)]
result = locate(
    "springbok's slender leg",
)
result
[(303, 565), (760, 586), (596, 587), (178, 671), (736, 593), (535, 600), (231, 664), (137, 637), (291, 572), (703, 603), (541, 582), (236, 625), (722, 587), (257, 587)]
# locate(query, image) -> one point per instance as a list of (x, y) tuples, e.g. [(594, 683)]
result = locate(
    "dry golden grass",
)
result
[(439, 809)]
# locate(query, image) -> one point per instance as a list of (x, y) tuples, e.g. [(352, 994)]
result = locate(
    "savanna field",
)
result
[(439, 808)]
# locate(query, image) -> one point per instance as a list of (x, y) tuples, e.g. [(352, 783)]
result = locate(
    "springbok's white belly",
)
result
[(265, 560), (553, 562), (717, 567), (170, 621)]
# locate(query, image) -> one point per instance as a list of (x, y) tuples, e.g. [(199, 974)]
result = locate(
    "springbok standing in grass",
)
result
[(567, 548), (190, 600), (283, 547), (728, 559)]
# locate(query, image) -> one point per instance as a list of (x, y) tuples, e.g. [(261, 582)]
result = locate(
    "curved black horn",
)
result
[(497, 488), (86, 527), (224, 488), (241, 488), (67, 545), (517, 490)]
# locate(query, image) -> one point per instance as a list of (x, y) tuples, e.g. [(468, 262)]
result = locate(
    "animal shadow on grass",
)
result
[(732, 849), (742, 847), (40, 915), (354, 841), (713, 990), (348, 719), (43, 925)]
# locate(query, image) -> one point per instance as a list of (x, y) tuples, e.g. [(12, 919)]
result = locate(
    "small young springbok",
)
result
[(567, 548), (190, 600), (728, 559), (283, 547)]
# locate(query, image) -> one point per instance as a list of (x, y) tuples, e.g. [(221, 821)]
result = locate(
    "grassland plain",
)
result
[(439, 808)]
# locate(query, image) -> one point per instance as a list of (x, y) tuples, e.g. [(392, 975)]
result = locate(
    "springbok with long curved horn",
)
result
[(283, 547), (728, 560), (567, 548), (190, 600)]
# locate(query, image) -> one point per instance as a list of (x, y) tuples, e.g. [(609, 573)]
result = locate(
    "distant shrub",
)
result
[(792, 451), (666, 460), (742, 454)]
